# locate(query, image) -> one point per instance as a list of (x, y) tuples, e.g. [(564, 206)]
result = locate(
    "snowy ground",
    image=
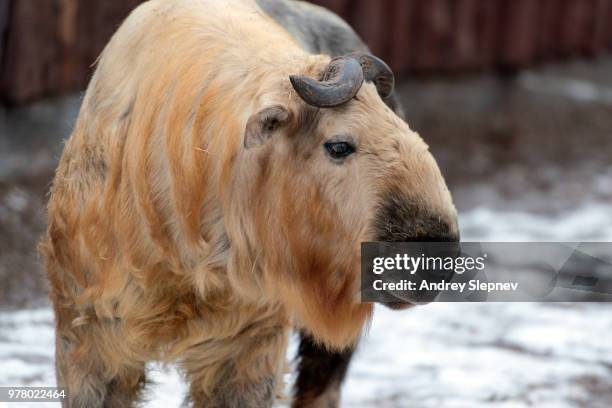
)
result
[(439, 355)]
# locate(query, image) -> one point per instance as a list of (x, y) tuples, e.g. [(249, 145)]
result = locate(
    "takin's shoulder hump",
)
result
[(316, 29)]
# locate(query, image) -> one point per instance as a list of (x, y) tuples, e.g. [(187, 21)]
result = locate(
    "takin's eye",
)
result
[(338, 150)]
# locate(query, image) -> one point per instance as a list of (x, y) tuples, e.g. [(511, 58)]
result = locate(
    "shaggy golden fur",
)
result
[(170, 240)]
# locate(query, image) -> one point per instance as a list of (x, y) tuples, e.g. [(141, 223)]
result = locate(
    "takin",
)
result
[(213, 196)]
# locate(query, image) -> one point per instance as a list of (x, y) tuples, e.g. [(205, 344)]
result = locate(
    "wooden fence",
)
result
[(450, 35), (48, 46)]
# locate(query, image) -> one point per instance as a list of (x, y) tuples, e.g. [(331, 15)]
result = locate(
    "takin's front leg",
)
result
[(242, 372), (320, 374), (91, 370)]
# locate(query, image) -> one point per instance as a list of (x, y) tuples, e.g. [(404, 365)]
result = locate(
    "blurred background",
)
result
[(514, 99)]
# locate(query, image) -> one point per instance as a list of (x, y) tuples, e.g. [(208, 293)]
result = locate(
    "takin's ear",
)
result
[(263, 124)]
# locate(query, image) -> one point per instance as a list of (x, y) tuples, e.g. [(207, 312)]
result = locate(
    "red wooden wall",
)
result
[(48, 46), (449, 35)]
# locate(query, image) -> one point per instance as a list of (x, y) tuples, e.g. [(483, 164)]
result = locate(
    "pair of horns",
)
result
[(342, 80)]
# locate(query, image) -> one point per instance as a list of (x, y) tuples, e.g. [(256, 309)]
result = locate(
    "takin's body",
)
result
[(170, 237)]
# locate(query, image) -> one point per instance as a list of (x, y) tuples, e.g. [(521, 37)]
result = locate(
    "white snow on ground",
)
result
[(473, 355), (440, 355), (592, 222), (581, 90)]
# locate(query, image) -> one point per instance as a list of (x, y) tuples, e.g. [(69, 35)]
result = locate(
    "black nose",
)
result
[(419, 226), (401, 219), (444, 237)]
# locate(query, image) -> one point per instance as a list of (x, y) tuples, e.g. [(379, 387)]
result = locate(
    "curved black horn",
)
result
[(342, 80), (377, 71)]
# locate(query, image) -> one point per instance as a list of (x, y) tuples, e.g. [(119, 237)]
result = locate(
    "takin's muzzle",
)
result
[(400, 219)]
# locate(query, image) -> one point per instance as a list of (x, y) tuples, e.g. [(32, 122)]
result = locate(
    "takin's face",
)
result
[(312, 183)]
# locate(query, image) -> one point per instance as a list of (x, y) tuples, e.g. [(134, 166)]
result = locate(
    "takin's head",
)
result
[(327, 165)]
